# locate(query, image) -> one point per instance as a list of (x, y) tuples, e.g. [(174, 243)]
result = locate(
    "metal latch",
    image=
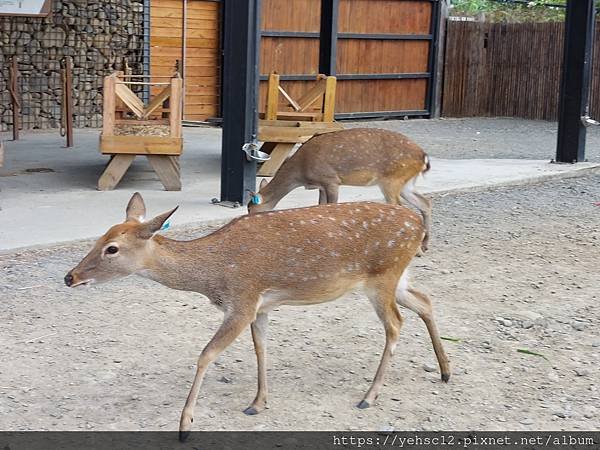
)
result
[(253, 153), (588, 121)]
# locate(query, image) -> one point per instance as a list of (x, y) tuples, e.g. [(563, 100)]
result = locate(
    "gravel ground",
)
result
[(486, 137), (508, 269)]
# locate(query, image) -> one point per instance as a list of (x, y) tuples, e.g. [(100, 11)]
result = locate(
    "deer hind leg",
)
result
[(391, 191), (259, 332), (382, 298), (423, 204), (421, 304), (229, 330)]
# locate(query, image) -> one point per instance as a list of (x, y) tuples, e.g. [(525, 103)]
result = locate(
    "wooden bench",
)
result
[(280, 130), (154, 131)]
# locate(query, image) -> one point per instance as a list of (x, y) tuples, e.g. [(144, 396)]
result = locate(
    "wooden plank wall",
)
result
[(289, 55), (507, 70), (202, 77), (300, 55), (372, 56)]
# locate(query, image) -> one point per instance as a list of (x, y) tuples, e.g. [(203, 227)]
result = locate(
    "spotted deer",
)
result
[(308, 256), (353, 157)]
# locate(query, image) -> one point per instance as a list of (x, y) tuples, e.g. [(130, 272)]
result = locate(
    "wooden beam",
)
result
[(291, 134), (132, 101), (156, 102), (313, 94), (289, 99), (114, 171), (167, 170), (141, 145), (278, 156)]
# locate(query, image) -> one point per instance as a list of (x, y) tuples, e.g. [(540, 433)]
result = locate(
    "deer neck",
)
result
[(182, 265), (285, 181)]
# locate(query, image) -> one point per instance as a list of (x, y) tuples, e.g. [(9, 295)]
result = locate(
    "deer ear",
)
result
[(148, 229), (263, 183), (136, 210)]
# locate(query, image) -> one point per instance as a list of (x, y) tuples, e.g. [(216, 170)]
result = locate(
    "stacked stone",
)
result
[(99, 35)]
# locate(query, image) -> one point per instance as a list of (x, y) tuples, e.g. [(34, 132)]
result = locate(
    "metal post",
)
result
[(439, 16), (239, 97), (14, 96), (328, 36), (67, 100), (575, 84)]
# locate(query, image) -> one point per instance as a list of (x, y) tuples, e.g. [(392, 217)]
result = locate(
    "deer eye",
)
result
[(111, 250)]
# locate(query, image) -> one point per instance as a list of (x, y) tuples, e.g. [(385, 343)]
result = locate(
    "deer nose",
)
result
[(69, 279)]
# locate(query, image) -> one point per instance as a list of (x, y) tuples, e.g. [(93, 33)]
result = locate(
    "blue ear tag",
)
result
[(255, 199), (165, 226)]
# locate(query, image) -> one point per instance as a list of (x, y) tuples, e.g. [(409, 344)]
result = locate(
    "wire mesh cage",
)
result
[(99, 36)]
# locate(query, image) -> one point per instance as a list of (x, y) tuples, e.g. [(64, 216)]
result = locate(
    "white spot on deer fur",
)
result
[(366, 225), (302, 222), (329, 234), (332, 219), (391, 243)]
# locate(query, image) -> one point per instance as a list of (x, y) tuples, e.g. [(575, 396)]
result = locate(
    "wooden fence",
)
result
[(507, 70)]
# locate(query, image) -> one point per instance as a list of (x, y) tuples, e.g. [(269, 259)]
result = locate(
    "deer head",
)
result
[(258, 202), (123, 250)]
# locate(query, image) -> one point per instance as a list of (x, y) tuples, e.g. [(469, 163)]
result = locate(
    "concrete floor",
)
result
[(60, 203)]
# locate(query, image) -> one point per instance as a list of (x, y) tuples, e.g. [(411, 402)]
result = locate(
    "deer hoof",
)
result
[(185, 426), (445, 377), (251, 411), (184, 435), (363, 404)]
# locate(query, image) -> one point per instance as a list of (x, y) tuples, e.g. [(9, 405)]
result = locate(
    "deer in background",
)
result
[(309, 256), (353, 157)]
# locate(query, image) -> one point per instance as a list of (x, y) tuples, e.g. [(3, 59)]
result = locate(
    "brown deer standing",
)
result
[(353, 157), (309, 256)]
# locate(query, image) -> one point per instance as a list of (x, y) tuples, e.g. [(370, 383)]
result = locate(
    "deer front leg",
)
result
[(332, 192), (230, 329), (384, 302), (322, 196), (259, 336)]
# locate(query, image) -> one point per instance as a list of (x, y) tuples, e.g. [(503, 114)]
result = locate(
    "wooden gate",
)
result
[(197, 22), (385, 53)]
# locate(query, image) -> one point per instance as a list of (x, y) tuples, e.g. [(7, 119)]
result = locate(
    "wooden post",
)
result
[(272, 97), (109, 105), (175, 106), (67, 99), (329, 100), (14, 95)]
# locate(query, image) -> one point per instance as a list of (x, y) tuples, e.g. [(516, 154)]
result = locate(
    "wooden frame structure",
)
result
[(154, 131), (282, 130)]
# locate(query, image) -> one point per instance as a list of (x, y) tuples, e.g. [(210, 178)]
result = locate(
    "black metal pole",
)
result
[(328, 36), (575, 84), (239, 97)]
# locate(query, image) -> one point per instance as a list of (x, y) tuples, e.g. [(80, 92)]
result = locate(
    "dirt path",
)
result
[(508, 269)]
